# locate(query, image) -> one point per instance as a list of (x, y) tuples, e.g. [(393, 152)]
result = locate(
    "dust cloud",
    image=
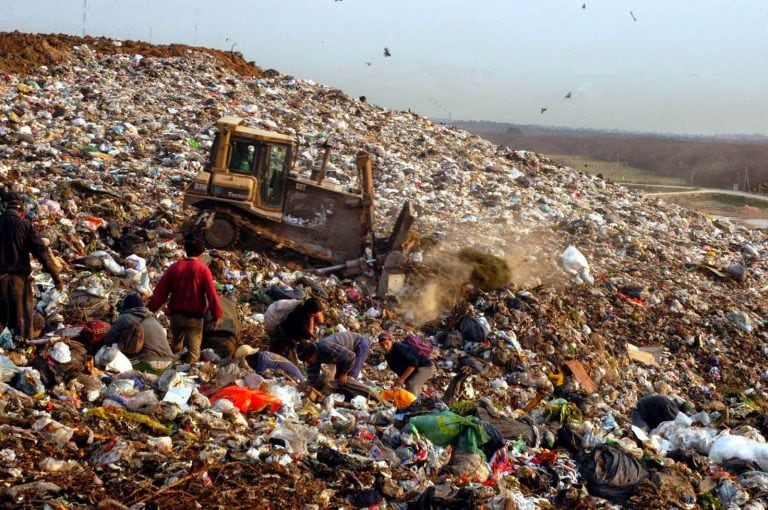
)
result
[(532, 259)]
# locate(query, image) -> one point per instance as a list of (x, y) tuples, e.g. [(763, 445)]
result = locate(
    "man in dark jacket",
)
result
[(413, 369), (19, 240), (156, 348)]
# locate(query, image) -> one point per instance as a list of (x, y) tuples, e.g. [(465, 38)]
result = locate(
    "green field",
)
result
[(708, 201), (615, 172)]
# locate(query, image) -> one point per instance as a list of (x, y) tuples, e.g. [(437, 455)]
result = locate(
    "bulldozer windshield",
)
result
[(272, 179), (243, 156)]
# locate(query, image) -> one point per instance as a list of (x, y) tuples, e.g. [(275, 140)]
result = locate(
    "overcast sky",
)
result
[(680, 66)]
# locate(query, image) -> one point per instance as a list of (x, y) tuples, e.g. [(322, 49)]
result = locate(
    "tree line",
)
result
[(709, 163)]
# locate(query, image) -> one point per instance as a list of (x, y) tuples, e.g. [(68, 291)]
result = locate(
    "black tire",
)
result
[(223, 232)]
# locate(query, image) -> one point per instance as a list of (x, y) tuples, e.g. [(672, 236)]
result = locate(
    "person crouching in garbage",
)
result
[(298, 325), (413, 369), (19, 240), (263, 361), (347, 350), (154, 348)]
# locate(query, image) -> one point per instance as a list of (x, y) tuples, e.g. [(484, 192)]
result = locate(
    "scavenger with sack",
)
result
[(289, 321), (138, 334)]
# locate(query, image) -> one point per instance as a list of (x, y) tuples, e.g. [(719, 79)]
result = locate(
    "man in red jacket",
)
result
[(192, 293)]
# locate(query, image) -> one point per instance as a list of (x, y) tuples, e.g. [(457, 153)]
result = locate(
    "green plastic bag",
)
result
[(447, 428)]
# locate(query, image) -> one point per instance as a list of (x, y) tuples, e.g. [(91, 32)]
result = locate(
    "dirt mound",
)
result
[(24, 52)]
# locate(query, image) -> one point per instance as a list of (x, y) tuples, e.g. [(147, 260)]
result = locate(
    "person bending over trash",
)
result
[(153, 346), (347, 350), (298, 325), (189, 284), (261, 361), (413, 369), (19, 240)]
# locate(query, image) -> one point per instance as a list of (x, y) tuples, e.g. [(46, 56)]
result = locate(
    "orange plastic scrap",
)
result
[(400, 396), (246, 399)]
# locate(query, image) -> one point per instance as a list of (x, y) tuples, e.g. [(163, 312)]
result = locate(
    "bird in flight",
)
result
[(368, 63), (568, 95), (583, 6), (386, 52), (633, 15), (543, 110)]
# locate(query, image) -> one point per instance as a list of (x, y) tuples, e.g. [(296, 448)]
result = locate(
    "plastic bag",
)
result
[(292, 436), (399, 396), (28, 381), (576, 264), (109, 263), (472, 330), (277, 312), (679, 437), (468, 466), (423, 347), (119, 414), (112, 360), (8, 369), (6, 340), (728, 447), (612, 474), (247, 399), (466, 432), (180, 388), (53, 431)]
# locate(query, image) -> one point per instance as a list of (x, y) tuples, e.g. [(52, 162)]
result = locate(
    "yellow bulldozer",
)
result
[(249, 187)]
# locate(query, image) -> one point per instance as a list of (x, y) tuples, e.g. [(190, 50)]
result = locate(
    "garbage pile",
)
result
[(622, 367)]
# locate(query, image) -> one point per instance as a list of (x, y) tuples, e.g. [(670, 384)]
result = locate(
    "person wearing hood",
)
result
[(132, 310)]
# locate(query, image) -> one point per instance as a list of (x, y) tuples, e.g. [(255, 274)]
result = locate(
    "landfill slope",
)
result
[(102, 137)]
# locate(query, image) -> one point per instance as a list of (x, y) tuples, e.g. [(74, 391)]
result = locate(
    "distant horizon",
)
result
[(543, 127), (655, 67)]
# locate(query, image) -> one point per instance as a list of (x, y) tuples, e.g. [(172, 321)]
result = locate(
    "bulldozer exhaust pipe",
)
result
[(319, 175)]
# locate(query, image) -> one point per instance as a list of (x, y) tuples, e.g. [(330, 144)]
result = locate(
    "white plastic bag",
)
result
[(109, 262), (681, 436), (728, 447), (111, 359), (576, 264), (293, 437), (179, 390)]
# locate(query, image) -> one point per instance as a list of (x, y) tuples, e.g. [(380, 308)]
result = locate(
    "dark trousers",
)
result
[(16, 304), (187, 332), (285, 346)]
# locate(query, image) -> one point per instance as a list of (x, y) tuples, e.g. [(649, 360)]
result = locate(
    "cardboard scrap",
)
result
[(581, 375), (650, 355)]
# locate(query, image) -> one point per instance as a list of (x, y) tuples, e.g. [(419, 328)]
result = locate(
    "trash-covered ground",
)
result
[(614, 297)]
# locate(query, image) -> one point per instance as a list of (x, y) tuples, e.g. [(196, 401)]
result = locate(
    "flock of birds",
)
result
[(542, 109), (568, 95)]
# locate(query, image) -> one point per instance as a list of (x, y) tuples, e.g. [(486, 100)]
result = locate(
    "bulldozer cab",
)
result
[(255, 164)]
